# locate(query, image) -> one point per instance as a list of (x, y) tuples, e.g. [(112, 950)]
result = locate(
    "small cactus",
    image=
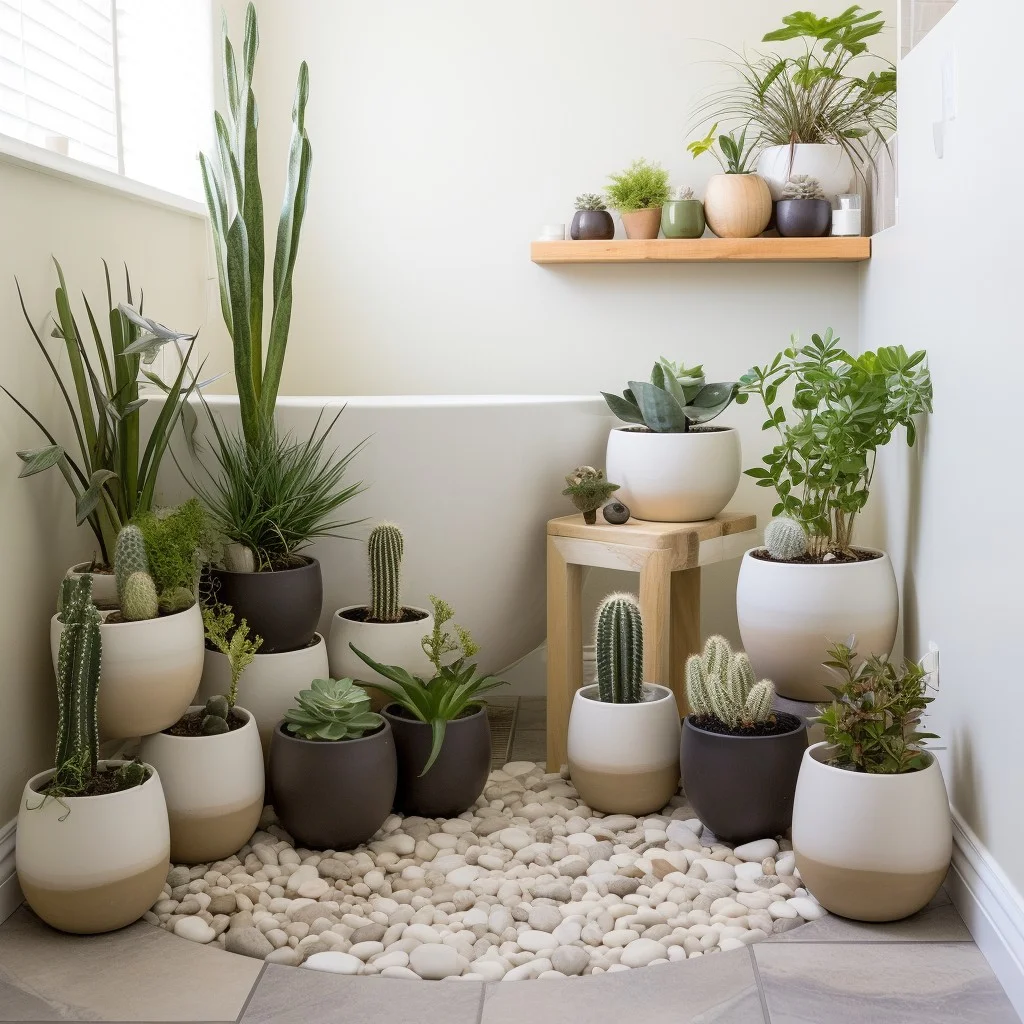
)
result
[(78, 677), (683, 193), (215, 718), (129, 556), (785, 539), (590, 201), (620, 650), (139, 598), (720, 684), (802, 186), (588, 490), (176, 600), (386, 546)]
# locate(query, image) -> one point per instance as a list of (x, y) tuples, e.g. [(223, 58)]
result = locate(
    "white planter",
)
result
[(214, 789), (674, 478), (624, 758), (90, 864), (269, 686), (389, 643), (870, 847), (790, 614), (830, 164), (149, 671), (104, 584)]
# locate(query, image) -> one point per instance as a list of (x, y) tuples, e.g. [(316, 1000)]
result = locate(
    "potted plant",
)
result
[(810, 585), (92, 842), (739, 757), (672, 466), (683, 216), (623, 744), (591, 221), (440, 726), (871, 825), (211, 761), (588, 490), (334, 738), (818, 112), (638, 193), (153, 641), (737, 202), (111, 476), (803, 211), (387, 630)]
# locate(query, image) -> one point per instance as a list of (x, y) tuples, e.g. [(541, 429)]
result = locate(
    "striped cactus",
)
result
[(720, 684), (78, 676), (785, 538), (136, 589), (386, 547), (620, 650)]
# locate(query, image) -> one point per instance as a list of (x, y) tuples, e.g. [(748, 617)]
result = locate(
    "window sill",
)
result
[(36, 158)]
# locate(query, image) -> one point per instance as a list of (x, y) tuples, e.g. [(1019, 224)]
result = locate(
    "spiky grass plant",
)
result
[(721, 685), (619, 646), (332, 710), (385, 548), (640, 186)]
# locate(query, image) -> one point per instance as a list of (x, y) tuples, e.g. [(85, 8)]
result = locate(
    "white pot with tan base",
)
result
[(104, 584), (624, 758), (149, 671), (737, 205), (790, 613), (213, 786), (870, 847), (90, 864)]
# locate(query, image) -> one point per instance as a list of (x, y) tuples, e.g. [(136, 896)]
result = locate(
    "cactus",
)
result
[(215, 717), (386, 546), (139, 599), (802, 186), (588, 490), (129, 556), (720, 684), (590, 201), (620, 650), (785, 539), (177, 600), (683, 193), (78, 680)]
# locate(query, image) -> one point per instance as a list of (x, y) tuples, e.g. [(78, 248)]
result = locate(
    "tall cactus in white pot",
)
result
[(623, 745)]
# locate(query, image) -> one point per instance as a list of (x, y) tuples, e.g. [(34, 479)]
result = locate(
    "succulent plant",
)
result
[(590, 201), (386, 546), (720, 684), (332, 709), (683, 193), (785, 539), (616, 513), (588, 490), (802, 186), (215, 716), (619, 643)]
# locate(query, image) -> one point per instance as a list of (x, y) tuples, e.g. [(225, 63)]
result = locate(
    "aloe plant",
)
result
[(232, 186)]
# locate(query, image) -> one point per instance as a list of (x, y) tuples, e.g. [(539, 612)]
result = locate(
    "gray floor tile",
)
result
[(17, 1004), (717, 989), (529, 745), (940, 924), (849, 983), (140, 973), (287, 994), (533, 713)]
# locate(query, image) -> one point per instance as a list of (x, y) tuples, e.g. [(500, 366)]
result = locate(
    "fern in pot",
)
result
[(638, 193)]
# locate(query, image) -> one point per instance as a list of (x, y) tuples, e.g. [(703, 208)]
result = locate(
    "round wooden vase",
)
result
[(737, 205)]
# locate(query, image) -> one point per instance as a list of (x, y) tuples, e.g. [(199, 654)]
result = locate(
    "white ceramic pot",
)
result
[(90, 864), (790, 614), (214, 789), (870, 847), (269, 686), (624, 758), (389, 643), (149, 671), (830, 164), (104, 584), (674, 478)]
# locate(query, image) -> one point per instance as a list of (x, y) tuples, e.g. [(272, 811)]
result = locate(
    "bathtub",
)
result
[(471, 480)]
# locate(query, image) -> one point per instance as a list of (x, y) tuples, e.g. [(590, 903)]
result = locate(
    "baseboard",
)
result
[(991, 907), (10, 891)]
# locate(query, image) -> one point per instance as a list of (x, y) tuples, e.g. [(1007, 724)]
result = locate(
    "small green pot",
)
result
[(682, 218)]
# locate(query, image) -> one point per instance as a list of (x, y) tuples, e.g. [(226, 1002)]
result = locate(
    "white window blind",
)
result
[(122, 84)]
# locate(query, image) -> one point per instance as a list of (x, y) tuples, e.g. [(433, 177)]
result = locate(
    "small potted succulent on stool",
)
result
[(803, 211), (588, 490), (639, 193), (333, 737), (683, 216), (739, 757), (591, 221), (623, 744)]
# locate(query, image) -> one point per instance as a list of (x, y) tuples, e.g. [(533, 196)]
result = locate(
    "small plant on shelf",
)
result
[(386, 547), (802, 186), (722, 689), (683, 194), (588, 490), (590, 201), (331, 710), (619, 647), (642, 186), (735, 154)]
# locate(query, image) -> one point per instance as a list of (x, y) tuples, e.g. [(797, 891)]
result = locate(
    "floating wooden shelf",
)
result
[(705, 250)]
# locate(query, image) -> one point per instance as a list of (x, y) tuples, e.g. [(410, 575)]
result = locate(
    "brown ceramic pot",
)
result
[(803, 218), (592, 225), (458, 775), (641, 223)]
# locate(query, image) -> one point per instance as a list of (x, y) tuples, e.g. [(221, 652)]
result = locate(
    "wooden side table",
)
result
[(668, 557)]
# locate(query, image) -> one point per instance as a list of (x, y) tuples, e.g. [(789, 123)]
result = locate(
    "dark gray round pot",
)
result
[(283, 607), (458, 775), (332, 795), (803, 218), (741, 787), (591, 225)]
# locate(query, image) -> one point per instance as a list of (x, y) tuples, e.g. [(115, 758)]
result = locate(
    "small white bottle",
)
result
[(846, 220)]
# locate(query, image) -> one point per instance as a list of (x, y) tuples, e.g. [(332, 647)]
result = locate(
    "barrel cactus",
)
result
[(720, 684), (386, 547), (129, 556), (620, 650), (802, 186), (785, 539)]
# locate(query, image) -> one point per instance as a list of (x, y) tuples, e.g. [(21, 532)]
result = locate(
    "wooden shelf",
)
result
[(705, 250)]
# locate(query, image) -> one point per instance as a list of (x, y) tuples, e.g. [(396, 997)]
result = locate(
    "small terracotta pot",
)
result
[(592, 225), (641, 223), (737, 205), (803, 218)]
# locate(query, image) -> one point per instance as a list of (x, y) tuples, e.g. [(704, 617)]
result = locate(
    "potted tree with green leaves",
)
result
[(638, 193), (670, 464), (871, 824), (810, 584), (737, 202)]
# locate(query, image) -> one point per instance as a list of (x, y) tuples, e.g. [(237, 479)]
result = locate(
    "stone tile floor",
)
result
[(925, 970)]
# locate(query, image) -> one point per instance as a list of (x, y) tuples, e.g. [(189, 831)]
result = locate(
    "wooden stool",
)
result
[(668, 557)]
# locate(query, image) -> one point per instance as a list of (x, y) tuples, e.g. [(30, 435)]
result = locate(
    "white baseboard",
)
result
[(10, 891), (991, 907)]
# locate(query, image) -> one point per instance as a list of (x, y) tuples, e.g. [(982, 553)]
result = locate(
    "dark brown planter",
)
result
[(283, 607), (332, 795), (742, 787), (458, 775), (803, 218), (591, 225)]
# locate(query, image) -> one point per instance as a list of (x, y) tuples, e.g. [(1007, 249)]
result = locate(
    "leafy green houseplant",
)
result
[(638, 193), (735, 154), (737, 202)]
